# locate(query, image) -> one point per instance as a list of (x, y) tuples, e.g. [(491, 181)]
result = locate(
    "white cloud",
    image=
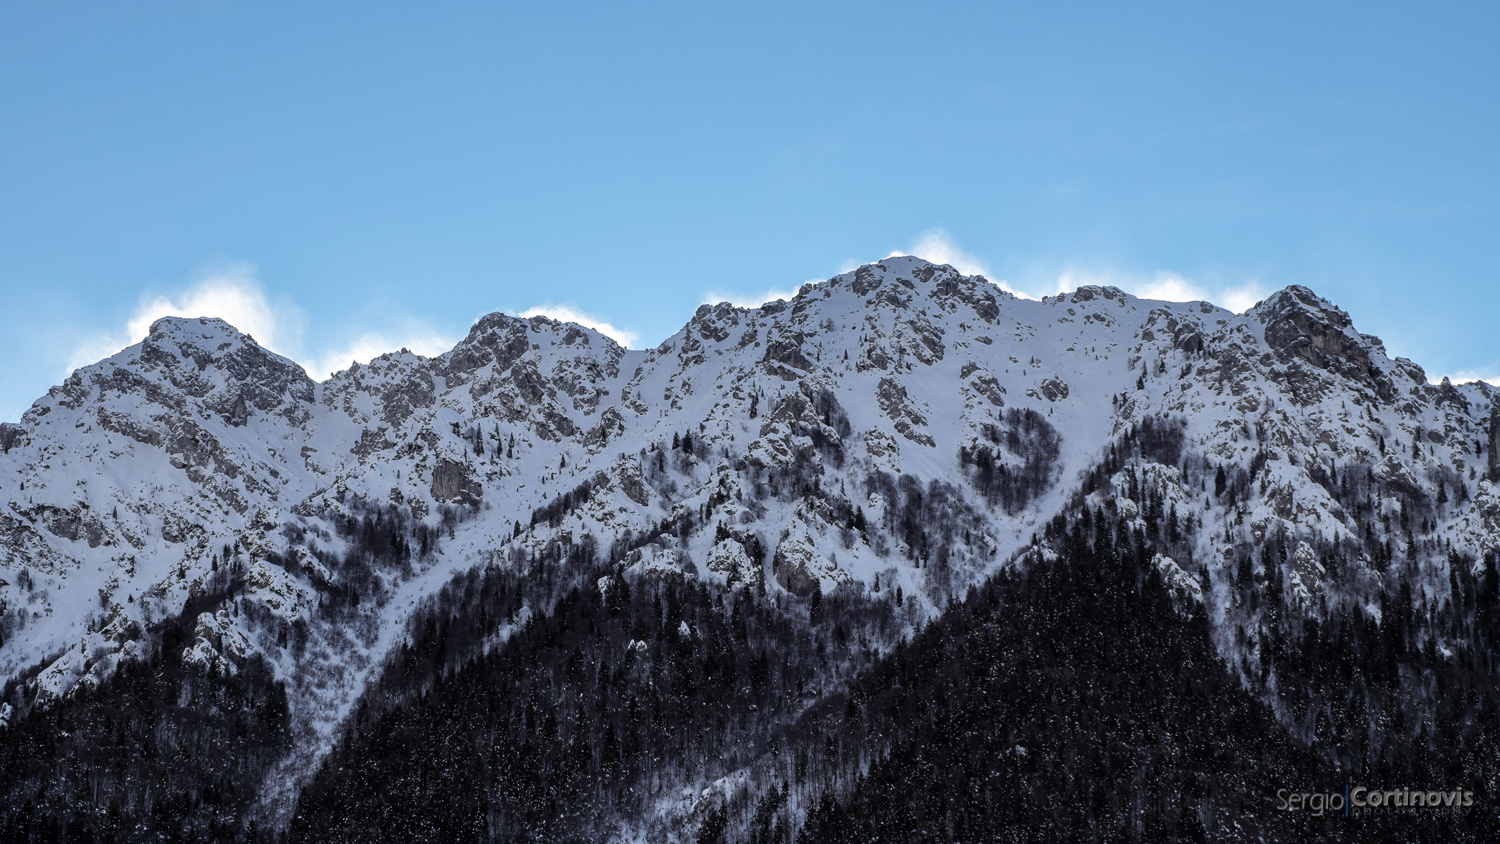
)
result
[(230, 293), (1169, 287), (1240, 299), (740, 300), (233, 294), (567, 313), (364, 348), (1172, 287), (1489, 376), (936, 246)]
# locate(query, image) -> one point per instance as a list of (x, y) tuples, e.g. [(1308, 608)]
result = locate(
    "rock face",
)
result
[(787, 351), (496, 341), (209, 361), (1054, 389), (794, 566), (897, 406), (127, 487), (451, 482), (1495, 443), (1301, 325), (239, 413)]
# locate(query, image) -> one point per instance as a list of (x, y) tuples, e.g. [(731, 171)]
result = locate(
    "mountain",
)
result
[(734, 535)]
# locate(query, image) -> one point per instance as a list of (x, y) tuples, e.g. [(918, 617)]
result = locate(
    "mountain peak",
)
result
[(202, 332), (1298, 297), (206, 324), (1089, 292), (1301, 325)]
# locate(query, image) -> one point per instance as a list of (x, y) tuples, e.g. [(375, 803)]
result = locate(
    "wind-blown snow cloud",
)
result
[(1490, 375), (740, 300), (1174, 288), (937, 246), (232, 293), (934, 245), (1169, 287), (567, 313), (369, 345)]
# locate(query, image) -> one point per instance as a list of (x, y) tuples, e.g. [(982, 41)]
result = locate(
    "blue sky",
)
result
[(340, 179)]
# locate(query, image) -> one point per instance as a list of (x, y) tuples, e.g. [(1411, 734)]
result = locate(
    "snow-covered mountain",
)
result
[(899, 427)]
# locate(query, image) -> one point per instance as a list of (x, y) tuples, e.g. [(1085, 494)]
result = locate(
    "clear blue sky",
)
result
[(341, 176)]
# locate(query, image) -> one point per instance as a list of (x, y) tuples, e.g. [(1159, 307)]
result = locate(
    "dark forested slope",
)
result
[(164, 751), (1076, 701)]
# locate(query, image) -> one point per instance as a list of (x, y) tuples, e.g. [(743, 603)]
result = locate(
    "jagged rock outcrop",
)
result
[(898, 407), (729, 559), (1300, 325), (785, 353), (497, 341)]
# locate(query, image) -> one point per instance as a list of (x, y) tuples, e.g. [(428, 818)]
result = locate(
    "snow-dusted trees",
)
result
[(164, 750), (579, 713), (1014, 461)]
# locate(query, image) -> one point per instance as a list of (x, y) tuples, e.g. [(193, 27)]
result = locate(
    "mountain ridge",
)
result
[(900, 429)]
